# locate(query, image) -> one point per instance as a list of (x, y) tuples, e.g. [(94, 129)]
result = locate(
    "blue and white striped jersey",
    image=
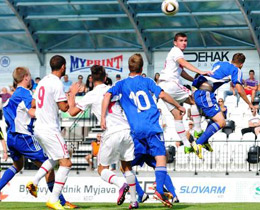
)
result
[(16, 112), (223, 72)]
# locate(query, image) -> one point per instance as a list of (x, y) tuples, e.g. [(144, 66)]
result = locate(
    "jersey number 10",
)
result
[(135, 98)]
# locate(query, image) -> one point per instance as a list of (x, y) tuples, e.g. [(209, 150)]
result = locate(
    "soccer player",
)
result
[(49, 98), (205, 96), (21, 142), (143, 116), (170, 82), (116, 141)]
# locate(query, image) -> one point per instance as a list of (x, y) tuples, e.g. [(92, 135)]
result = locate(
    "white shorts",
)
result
[(116, 146), (177, 91), (53, 144)]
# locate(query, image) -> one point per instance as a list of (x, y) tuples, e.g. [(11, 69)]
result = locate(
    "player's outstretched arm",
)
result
[(186, 76), (166, 97), (73, 110), (242, 93), (105, 104), (192, 68)]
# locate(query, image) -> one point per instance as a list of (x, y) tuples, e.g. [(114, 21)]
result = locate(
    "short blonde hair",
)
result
[(19, 73)]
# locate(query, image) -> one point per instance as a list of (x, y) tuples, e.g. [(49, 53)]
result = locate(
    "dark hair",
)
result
[(88, 84), (98, 73), (179, 35), (135, 63), (56, 62), (238, 58), (80, 76), (37, 78), (155, 76), (251, 71), (118, 76)]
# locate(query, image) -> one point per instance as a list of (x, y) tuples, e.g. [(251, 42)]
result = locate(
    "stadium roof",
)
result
[(44, 26)]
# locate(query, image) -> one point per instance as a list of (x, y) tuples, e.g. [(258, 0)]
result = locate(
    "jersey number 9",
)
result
[(41, 94)]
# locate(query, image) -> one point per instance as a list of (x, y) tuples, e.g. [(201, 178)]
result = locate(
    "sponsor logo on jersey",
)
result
[(79, 64)]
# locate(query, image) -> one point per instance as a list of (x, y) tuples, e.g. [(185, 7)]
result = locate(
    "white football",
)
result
[(170, 7)]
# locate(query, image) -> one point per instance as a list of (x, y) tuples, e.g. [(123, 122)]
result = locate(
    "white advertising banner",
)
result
[(205, 59), (80, 63), (188, 189), (8, 62), (117, 62)]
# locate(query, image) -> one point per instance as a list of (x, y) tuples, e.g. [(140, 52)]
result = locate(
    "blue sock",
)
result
[(211, 129), (62, 199), (168, 184), (139, 189), (7, 176), (160, 173)]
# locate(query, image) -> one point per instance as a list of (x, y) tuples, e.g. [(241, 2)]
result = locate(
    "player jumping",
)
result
[(205, 96), (170, 82)]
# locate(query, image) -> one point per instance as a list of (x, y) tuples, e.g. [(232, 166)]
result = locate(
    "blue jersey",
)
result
[(16, 112), (222, 72), (136, 99)]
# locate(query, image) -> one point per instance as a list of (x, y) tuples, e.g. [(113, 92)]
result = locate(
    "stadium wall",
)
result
[(188, 189), (116, 63)]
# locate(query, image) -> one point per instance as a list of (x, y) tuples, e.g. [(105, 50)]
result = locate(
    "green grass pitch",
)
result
[(150, 206)]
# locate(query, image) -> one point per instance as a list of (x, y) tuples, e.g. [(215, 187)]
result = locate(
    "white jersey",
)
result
[(48, 92), (115, 119), (172, 68)]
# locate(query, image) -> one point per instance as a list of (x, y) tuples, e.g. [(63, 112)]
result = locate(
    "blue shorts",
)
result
[(25, 145), (140, 159), (207, 102), (153, 145)]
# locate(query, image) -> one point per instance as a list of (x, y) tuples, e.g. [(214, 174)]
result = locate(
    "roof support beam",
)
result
[(16, 43), (113, 31), (233, 38), (61, 3), (121, 40), (244, 6), (196, 23), (66, 2), (32, 37), (143, 40), (62, 42), (122, 15)]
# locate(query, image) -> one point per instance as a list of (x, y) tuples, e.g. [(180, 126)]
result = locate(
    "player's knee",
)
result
[(66, 163)]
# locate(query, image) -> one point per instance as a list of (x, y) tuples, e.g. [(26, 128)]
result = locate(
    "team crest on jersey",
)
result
[(79, 64)]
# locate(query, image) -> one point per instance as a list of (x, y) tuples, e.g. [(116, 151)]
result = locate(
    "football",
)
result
[(170, 7)]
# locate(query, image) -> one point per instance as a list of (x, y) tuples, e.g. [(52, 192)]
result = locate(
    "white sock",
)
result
[(110, 177), (180, 129), (130, 180), (43, 170), (196, 118), (60, 180)]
